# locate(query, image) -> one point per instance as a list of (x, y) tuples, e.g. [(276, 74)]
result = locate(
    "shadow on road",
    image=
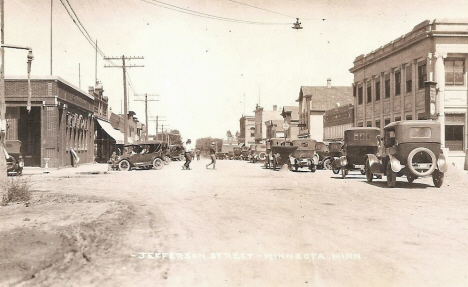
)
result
[(400, 184)]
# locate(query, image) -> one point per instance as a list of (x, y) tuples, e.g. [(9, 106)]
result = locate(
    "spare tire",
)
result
[(410, 161), (262, 155)]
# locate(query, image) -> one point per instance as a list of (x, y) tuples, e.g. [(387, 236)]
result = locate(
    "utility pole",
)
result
[(51, 2), (146, 109), (3, 126), (157, 119), (124, 68)]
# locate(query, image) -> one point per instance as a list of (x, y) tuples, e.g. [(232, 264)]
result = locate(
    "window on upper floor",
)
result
[(454, 72), (369, 92), (387, 86), (422, 74), (397, 83), (409, 78), (360, 95), (377, 90)]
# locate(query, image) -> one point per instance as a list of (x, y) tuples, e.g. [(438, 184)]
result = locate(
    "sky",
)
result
[(207, 72)]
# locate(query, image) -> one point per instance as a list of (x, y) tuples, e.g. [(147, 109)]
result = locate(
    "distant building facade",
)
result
[(247, 130), (274, 129), (290, 116), (389, 83), (261, 117), (314, 101), (336, 121)]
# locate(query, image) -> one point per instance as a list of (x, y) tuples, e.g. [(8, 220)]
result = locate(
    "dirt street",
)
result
[(239, 225)]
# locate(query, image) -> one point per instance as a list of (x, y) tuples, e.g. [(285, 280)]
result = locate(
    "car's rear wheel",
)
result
[(327, 164), (369, 174), (336, 170), (438, 178), (418, 154), (157, 163), (124, 165), (391, 176)]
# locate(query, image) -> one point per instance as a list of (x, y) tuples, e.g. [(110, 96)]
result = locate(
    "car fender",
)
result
[(395, 163), (442, 163)]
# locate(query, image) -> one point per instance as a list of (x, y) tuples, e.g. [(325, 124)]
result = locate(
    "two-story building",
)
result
[(261, 117), (247, 130), (389, 82), (314, 101)]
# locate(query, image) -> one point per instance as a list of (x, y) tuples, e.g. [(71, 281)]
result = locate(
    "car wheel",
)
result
[(313, 167), (167, 160), (391, 176), (157, 163), (369, 175), (438, 178), (262, 155), (296, 167), (336, 171), (124, 165), (181, 157), (343, 172), (411, 178), (363, 171), (327, 164)]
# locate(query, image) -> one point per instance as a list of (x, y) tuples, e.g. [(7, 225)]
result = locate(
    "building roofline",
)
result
[(49, 78)]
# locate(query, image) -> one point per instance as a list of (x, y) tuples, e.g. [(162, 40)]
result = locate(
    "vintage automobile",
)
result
[(329, 154), (245, 152), (358, 142), (281, 149), (143, 155), (14, 158), (410, 148), (258, 153), (237, 152), (304, 155), (221, 155), (176, 152)]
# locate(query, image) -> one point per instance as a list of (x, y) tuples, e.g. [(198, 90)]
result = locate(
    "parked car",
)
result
[(177, 152), (328, 153), (237, 152), (357, 144), (144, 155), (14, 158), (410, 148), (245, 152), (258, 153), (281, 149), (221, 155), (304, 155)]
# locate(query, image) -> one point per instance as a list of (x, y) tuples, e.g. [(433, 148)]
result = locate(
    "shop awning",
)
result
[(117, 135)]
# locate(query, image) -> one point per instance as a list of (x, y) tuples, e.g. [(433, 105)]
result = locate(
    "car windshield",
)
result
[(420, 132)]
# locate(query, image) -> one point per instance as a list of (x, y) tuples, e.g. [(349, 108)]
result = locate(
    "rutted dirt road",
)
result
[(239, 225)]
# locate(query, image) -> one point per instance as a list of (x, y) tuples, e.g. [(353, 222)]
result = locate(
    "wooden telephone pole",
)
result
[(124, 68), (146, 108), (157, 119)]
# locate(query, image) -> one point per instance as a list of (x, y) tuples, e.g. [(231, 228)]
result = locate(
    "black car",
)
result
[(14, 158)]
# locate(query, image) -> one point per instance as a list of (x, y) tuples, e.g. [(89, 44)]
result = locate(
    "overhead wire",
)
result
[(260, 8), (83, 29), (205, 15)]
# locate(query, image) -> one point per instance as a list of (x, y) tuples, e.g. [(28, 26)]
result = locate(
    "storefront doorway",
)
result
[(29, 133)]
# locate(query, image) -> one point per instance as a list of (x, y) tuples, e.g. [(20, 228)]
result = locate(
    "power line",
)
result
[(204, 15), (261, 8), (82, 29)]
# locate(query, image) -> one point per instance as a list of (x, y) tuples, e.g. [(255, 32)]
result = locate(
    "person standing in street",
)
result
[(188, 154), (213, 156)]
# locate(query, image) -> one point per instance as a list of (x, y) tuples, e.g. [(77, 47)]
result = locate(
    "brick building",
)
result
[(336, 121), (59, 125), (314, 101), (389, 82)]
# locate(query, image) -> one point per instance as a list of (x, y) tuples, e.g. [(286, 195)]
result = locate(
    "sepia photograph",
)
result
[(233, 143)]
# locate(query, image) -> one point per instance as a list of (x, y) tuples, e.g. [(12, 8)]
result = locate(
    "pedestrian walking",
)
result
[(188, 154), (213, 156)]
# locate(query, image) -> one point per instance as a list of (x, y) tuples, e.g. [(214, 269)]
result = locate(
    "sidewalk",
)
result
[(89, 168)]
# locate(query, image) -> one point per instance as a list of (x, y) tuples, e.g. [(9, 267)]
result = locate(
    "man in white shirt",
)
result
[(188, 154)]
